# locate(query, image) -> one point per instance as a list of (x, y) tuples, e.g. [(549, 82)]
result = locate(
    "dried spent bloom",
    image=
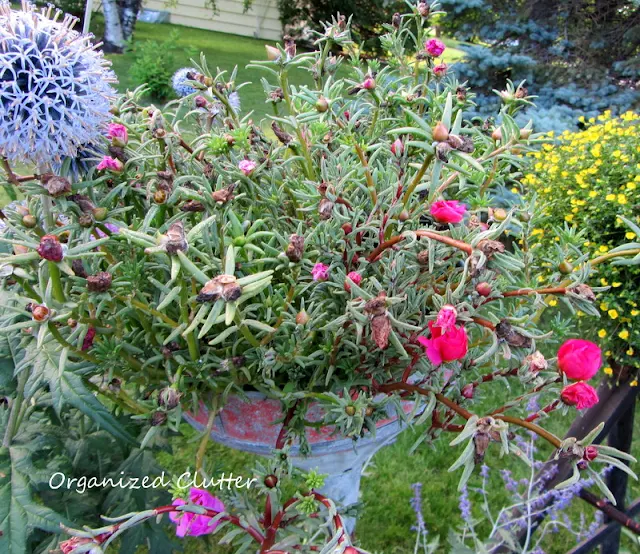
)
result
[(295, 248), (56, 89), (176, 240), (100, 282), (50, 248), (222, 286), (536, 362), (57, 186), (179, 81)]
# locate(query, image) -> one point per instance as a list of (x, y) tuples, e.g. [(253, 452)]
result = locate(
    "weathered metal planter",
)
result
[(251, 426)]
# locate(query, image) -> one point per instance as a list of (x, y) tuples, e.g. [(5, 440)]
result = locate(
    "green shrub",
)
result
[(589, 180), (154, 65)]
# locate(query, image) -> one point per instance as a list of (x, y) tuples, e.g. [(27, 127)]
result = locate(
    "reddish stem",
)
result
[(484, 322), (460, 245), (282, 435)]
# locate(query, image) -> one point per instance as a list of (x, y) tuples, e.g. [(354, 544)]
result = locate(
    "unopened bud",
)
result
[(467, 391), (423, 9), (350, 410), (322, 105), (440, 132), (590, 453), (497, 134), (200, 102), (525, 133), (369, 83), (404, 215), (100, 214), (565, 267), (396, 20), (159, 197), (302, 318), (499, 214), (270, 481), (50, 248), (72, 323), (483, 289), (347, 228), (40, 312), (29, 221), (158, 418)]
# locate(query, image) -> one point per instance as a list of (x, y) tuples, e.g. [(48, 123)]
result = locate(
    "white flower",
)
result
[(55, 87)]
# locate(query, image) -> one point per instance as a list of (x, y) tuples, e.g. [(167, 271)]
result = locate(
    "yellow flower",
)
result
[(624, 335), (593, 194), (608, 370), (622, 199), (634, 313), (631, 186), (604, 282), (568, 218), (616, 285), (553, 302), (630, 352), (603, 248), (613, 314), (610, 197), (634, 383), (604, 307), (602, 333), (630, 235)]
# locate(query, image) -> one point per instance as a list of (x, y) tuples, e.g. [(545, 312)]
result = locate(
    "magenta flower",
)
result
[(247, 167), (369, 83), (111, 164), (446, 317), (448, 211), (445, 346), (117, 133), (440, 70), (352, 277), (397, 147), (195, 525), (435, 47), (320, 272)]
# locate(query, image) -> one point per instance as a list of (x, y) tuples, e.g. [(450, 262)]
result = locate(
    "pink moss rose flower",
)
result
[(580, 394), (369, 83), (440, 70), (320, 272), (445, 346), (195, 525), (435, 47), (579, 359), (111, 164), (446, 317), (247, 167), (117, 133), (448, 211), (352, 276)]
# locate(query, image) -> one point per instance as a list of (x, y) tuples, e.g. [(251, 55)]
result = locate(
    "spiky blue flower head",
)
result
[(179, 81), (55, 87)]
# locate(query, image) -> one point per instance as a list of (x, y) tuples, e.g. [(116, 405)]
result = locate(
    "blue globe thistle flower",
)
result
[(55, 87), (179, 81)]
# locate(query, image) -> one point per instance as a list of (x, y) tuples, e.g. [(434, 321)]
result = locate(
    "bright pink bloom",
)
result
[(435, 47), (369, 83), (579, 359), (117, 133), (195, 525), (446, 317), (353, 276), (448, 211), (397, 147), (440, 70), (445, 346), (247, 167), (320, 272), (111, 164), (580, 394)]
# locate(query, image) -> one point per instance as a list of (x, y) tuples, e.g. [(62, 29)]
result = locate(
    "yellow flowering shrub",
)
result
[(586, 181)]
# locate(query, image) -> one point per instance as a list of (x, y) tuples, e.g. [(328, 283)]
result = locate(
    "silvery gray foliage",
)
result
[(56, 90)]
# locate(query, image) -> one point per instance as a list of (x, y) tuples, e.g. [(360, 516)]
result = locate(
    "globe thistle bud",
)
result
[(40, 312), (57, 186), (100, 282), (180, 83), (440, 132), (169, 398), (295, 248), (50, 248), (158, 418)]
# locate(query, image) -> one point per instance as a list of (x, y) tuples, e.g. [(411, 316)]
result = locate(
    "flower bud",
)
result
[(565, 267), (440, 132), (158, 418), (50, 248), (352, 276), (347, 228), (369, 411), (404, 215), (483, 289), (29, 221), (100, 214), (423, 9), (322, 105), (590, 453), (369, 83), (200, 102), (159, 197), (397, 147), (295, 248), (467, 391), (100, 282), (302, 318), (525, 133), (169, 398), (499, 214), (270, 481), (497, 134), (396, 19), (72, 323), (88, 339), (40, 312), (350, 410)]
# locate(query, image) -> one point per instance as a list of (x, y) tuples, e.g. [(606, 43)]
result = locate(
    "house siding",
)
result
[(261, 21)]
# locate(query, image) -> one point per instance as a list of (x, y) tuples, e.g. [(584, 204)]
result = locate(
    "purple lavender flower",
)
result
[(416, 504), (464, 504)]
